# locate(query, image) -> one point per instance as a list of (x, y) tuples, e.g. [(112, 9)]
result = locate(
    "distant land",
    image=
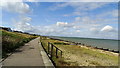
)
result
[(86, 38)]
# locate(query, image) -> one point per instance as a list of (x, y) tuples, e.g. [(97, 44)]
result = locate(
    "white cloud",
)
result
[(107, 28), (76, 27), (25, 19), (86, 20), (79, 6), (93, 29), (94, 0), (112, 13), (17, 7), (61, 23), (105, 33), (81, 9), (19, 0), (77, 19), (27, 24), (21, 8), (64, 24), (108, 32), (60, 0), (11, 0), (78, 31), (86, 6), (81, 24), (32, 0), (23, 24), (75, 13)]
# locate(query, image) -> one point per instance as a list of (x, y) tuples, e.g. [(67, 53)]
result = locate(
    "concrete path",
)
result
[(28, 55)]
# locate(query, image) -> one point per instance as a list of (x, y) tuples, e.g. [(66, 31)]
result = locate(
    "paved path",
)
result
[(28, 55)]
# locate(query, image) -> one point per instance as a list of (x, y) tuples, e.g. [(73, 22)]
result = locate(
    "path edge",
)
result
[(46, 60)]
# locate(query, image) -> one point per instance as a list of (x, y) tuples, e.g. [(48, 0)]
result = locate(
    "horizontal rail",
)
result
[(55, 46)]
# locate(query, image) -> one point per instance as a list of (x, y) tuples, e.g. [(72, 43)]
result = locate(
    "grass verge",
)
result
[(12, 41), (78, 55)]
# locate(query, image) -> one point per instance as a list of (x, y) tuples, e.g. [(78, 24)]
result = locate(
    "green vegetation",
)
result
[(74, 55), (60, 43), (60, 61), (13, 40)]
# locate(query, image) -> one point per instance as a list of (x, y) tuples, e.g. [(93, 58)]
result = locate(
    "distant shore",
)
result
[(82, 44)]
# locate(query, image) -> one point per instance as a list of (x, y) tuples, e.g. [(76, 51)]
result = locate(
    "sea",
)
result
[(101, 43)]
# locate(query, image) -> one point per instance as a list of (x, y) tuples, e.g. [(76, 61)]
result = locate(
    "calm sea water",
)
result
[(104, 43)]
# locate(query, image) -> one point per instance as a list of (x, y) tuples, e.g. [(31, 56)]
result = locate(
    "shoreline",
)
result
[(101, 50), (82, 44), (81, 55)]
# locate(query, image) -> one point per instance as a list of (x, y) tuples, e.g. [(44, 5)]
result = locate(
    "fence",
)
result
[(52, 50)]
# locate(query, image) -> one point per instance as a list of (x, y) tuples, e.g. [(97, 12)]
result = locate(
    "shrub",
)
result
[(12, 41)]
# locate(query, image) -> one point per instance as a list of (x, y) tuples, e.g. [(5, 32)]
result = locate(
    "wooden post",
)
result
[(48, 47), (51, 51), (41, 44), (61, 53), (56, 52)]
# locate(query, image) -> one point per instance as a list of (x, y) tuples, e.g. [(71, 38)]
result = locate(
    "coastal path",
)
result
[(31, 55)]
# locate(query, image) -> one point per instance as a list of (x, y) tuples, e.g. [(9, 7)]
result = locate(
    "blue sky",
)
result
[(73, 19)]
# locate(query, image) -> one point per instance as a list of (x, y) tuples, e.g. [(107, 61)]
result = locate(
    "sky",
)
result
[(69, 19)]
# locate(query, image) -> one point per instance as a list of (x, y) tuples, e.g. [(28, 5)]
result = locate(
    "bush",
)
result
[(12, 41)]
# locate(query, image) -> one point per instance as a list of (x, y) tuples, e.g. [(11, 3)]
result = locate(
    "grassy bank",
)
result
[(78, 55), (13, 40)]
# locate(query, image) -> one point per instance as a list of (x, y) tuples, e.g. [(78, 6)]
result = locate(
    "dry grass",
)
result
[(74, 55)]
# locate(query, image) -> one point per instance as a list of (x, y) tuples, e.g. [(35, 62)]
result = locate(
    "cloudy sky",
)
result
[(73, 19)]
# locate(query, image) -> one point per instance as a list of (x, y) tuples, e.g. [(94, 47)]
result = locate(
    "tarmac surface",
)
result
[(28, 56)]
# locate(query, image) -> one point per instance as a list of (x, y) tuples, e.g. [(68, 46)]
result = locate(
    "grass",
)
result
[(86, 56), (12, 41), (74, 55), (60, 61)]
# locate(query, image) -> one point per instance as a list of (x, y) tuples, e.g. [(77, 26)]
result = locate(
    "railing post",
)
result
[(61, 53), (41, 44), (56, 52), (51, 50), (48, 47)]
